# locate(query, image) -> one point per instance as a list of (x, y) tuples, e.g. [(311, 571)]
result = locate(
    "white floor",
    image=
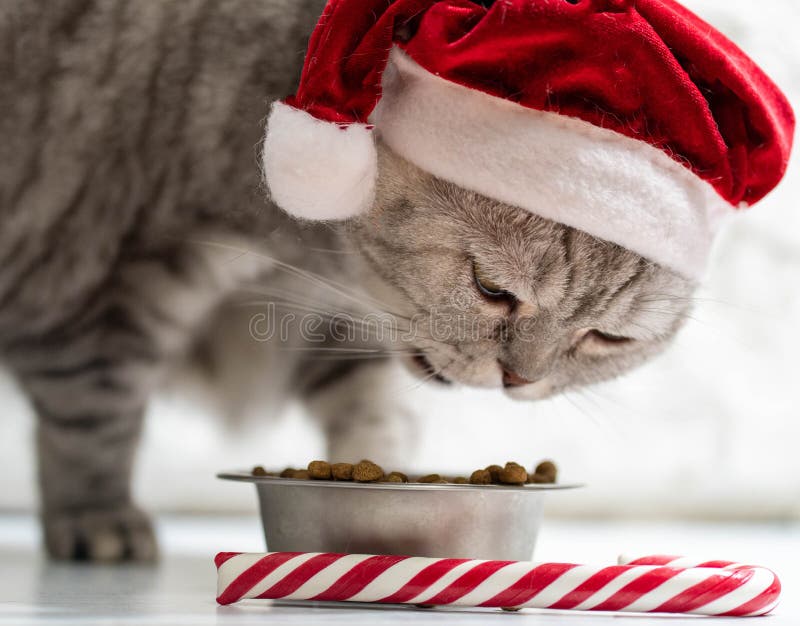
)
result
[(180, 590)]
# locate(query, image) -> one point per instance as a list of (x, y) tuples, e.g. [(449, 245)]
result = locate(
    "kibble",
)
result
[(431, 479), (367, 472), (481, 477), (548, 470), (513, 474), (342, 471), (494, 471), (319, 470)]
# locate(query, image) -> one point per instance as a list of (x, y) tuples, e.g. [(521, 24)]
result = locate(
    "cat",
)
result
[(134, 223)]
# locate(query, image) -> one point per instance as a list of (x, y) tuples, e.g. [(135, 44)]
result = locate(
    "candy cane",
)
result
[(760, 605), (654, 586), (681, 562)]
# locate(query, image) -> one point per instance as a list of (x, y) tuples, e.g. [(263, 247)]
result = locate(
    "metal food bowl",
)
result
[(412, 519)]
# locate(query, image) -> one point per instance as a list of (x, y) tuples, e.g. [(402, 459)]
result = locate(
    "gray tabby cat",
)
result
[(133, 216)]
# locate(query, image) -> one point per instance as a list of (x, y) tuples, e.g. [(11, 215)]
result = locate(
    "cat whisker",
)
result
[(669, 313), (356, 357), (350, 358), (283, 299), (353, 350), (567, 395), (395, 321), (330, 250), (759, 313), (690, 299), (330, 284), (603, 397), (386, 331), (432, 375), (368, 330), (347, 316), (370, 304), (313, 277)]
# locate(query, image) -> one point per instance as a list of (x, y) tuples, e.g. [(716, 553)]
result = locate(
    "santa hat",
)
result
[(632, 120)]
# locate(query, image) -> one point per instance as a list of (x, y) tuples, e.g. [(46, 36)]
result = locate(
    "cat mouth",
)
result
[(427, 368)]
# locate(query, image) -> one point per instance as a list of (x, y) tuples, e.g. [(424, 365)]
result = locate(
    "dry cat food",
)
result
[(366, 471)]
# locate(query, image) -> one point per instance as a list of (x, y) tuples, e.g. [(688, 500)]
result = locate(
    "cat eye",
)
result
[(606, 339), (487, 286)]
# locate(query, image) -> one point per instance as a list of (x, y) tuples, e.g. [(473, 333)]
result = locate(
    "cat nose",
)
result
[(512, 379)]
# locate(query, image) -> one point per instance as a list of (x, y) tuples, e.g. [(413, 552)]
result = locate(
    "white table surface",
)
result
[(181, 589)]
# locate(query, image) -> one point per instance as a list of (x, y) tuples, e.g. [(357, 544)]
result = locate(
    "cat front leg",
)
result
[(89, 397), (90, 379), (85, 465), (361, 408)]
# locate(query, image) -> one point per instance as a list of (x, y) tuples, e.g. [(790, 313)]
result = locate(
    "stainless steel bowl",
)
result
[(433, 520)]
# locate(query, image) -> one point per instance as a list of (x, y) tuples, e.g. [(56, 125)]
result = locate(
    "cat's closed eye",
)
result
[(489, 288), (593, 340)]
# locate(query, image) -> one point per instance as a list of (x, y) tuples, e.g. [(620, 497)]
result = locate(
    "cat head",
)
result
[(494, 296), (561, 109)]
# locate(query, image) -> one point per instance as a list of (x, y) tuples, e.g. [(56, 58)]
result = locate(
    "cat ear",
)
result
[(319, 170)]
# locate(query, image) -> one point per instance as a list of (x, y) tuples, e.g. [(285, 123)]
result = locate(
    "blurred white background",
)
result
[(711, 429)]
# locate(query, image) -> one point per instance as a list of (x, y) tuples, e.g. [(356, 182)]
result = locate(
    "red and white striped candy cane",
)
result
[(654, 586), (760, 605), (682, 562)]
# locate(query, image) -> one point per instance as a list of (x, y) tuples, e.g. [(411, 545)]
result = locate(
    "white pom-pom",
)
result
[(318, 170)]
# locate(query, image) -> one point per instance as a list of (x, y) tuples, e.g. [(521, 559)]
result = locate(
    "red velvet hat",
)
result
[(632, 120)]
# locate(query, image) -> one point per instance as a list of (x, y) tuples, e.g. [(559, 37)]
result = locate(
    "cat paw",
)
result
[(100, 535)]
